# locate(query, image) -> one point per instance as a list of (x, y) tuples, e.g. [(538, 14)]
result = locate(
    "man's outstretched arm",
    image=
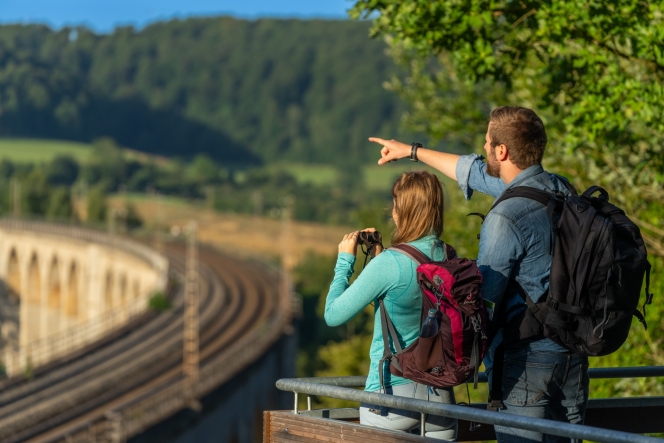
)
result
[(394, 150)]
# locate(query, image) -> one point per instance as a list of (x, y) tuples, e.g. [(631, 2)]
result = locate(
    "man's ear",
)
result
[(501, 152)]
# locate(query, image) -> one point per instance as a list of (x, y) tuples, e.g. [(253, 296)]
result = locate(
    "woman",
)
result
[(418, 218)]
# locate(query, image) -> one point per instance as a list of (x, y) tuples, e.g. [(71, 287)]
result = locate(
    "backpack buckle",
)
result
[(494, 405), (477, 325), (552, 304)]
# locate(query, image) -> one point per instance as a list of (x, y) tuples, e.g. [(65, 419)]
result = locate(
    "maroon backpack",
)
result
[(452, 356)]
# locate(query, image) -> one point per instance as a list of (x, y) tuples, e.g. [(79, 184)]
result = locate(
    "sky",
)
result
[(105, 15)]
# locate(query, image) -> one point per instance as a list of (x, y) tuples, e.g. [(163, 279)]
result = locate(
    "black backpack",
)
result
[(599, 261)]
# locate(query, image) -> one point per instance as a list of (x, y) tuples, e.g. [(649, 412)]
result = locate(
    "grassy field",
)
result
[(32, 150), (375, 177), (25, 150)]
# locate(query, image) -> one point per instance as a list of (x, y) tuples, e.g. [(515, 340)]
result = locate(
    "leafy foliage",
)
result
[(592, 69), (159, 302)]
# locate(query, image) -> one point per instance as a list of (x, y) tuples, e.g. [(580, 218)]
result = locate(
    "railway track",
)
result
[(141, 364)]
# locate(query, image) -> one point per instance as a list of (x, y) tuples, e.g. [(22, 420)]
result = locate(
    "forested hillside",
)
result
[(241, 91)]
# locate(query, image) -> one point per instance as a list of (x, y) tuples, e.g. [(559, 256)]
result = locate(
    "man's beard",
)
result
[(492, 164)]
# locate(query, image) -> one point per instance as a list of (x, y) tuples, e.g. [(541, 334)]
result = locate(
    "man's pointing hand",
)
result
[(392, 150)]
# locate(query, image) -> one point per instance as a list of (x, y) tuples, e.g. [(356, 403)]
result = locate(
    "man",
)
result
[(539, 377)]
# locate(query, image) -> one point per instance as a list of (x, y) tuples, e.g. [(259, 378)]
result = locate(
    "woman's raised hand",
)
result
[(392, 150), (349, 243)]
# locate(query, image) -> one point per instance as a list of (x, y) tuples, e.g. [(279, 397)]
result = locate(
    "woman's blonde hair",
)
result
[(418, 206)]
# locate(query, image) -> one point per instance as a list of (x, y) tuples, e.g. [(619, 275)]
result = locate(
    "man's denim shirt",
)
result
[(515, 240)]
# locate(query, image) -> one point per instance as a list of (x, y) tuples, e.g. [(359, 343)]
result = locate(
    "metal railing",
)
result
[(83, 332), (341, 388)]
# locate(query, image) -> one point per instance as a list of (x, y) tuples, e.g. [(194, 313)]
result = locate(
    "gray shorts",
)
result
[(442, 428)]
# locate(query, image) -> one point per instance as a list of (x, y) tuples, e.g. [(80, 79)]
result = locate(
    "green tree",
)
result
[(109, 159), (35, 192), (97, 206), (59, 204), (203, 169), (593, 69), (133, 218), (6, 169), (62, 170)]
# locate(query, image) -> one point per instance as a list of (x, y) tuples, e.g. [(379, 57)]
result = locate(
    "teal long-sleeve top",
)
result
[(390, 274)]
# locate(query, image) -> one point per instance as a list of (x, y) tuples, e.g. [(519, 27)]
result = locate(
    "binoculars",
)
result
[(369, 238)]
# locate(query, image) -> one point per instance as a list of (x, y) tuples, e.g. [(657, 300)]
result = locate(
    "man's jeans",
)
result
[(441, 428), (541, 384)]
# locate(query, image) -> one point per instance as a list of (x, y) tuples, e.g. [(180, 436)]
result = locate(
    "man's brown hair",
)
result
[(418, 206), (522, 131)]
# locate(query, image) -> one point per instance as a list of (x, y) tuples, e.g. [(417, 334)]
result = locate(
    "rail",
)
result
[(341, 388), (82, 333), (140, 413)]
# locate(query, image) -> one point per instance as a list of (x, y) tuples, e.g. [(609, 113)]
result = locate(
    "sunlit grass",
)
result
[(34, 150), (375, 177), (28, 150), (306, 173)]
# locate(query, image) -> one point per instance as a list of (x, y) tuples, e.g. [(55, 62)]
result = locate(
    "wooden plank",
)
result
[(290, 438), (372, 435), (267, 427), (330, 434), (325, 430), (335, 428), (647, 419)]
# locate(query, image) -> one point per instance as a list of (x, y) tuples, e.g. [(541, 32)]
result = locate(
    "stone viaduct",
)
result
[(63, 287), (87, 360)]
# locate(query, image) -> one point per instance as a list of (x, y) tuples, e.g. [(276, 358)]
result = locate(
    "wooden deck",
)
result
[(638, 415), (286, 427)]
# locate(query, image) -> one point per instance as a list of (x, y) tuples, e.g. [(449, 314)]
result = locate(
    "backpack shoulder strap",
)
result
[(551, 201), (538, 195), (388, 329), (570, 188), (450, 252), (411, 252)]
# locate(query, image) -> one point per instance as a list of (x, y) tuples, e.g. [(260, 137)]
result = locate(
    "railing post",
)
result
[(295, 406), (423, 420)]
